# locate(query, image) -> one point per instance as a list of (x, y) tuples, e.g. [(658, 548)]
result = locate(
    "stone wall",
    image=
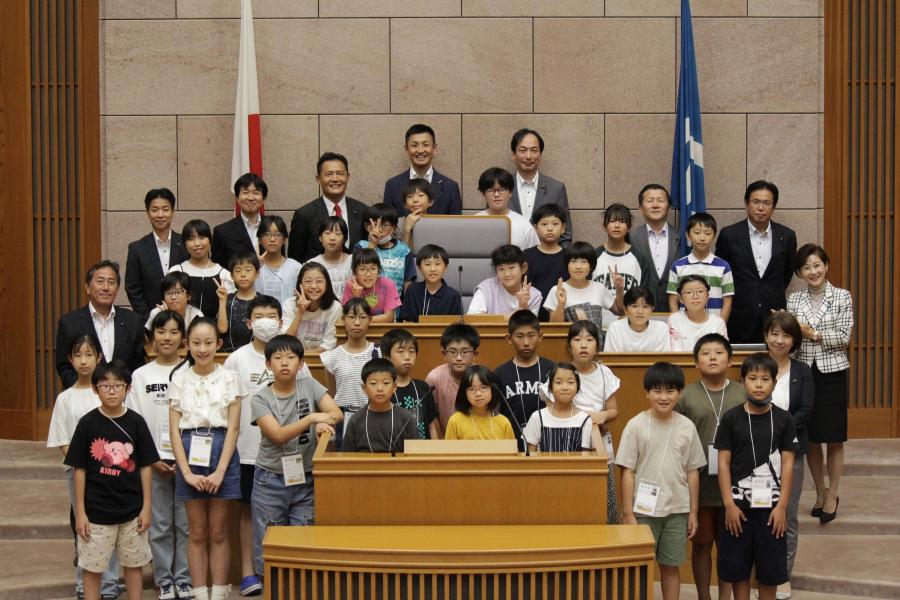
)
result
[(597, 79)]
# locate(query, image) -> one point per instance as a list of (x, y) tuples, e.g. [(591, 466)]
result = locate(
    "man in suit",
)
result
[(420, 146), (656, 240), (118, 331), (533, 189), (761, 254), (238, 235), (150, 257), (333, 175)]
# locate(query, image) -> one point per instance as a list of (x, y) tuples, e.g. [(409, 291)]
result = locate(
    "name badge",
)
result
[(201, 450), (294, 473), (761, 492), (646, 498), (712, 466), (165, 442)]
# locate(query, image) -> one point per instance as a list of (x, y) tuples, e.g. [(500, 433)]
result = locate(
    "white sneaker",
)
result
[(167, 592)]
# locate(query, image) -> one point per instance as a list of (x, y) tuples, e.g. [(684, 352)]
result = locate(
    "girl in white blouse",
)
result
[(204, 405)]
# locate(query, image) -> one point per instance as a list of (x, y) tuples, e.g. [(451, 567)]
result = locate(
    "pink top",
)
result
[(445, 389), (382, 297)]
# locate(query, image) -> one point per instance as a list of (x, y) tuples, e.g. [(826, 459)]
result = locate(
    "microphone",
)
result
[(515, 421), (462, 317)]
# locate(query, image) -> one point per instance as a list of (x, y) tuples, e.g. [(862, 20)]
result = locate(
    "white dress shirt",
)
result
[(527, 191), (428, 174), (329, 208), (252, 229), (659, 248), (106, 330), (762, 246), (163, 249)]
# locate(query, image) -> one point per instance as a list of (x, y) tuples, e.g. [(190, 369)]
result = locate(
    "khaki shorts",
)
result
[(133, 547)]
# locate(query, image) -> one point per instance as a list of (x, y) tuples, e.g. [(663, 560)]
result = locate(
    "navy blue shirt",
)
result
[(418, 301)]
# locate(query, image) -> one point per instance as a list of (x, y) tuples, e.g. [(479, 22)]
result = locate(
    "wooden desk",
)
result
[(431, 562)]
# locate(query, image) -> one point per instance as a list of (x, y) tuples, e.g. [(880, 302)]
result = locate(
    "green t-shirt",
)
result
[(701, 409)]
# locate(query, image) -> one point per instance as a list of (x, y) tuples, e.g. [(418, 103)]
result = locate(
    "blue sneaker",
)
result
[(251, 585)]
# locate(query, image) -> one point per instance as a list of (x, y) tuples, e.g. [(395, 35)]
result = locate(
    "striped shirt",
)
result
[(716, 271)]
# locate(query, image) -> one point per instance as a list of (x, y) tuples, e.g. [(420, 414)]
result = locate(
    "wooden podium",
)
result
[(473, 524)]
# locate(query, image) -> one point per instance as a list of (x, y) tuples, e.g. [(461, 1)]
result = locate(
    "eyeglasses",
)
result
[(495, 191), (111, 387), (765, 203), (455, 353), (693, 293), (174, 294), (273, 236)]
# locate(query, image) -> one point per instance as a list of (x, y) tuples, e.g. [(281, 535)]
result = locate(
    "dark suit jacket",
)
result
[(304, 239), (143, 271), (641, 244), (128, 345), (549, 191), (446, 202), (230, 238), (802, 397), (755, 296)]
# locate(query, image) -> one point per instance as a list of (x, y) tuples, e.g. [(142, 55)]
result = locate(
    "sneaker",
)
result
[(185, 591), (167, 592), (109, 597), (251, 585)]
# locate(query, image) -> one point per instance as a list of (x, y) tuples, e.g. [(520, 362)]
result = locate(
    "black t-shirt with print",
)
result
[(112, 453), (418, 398), (520, 388), (760, 457)]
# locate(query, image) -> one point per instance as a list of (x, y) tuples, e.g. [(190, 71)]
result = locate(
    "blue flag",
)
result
[(688, 193)]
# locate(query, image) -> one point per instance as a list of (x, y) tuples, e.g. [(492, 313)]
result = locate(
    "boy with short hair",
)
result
[(660, 455), (397, 259), (459, 345), (705, 402), (432, 295), (380, 426), (112, 451), (239, 235), (496, 185), (249, 363), (756, 460), (520, 376), (418, 198), (547, 261), (420, 145), (509, 290), (290, 411), (233, 308), (701, 232), (401, 348)]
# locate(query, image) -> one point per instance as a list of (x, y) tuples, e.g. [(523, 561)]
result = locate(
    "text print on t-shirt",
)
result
[(112, 456)]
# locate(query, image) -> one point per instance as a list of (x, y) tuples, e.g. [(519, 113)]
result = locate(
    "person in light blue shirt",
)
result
[(397, 259)]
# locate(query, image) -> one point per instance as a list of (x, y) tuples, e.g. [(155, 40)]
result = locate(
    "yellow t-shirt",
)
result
[(470, 427)]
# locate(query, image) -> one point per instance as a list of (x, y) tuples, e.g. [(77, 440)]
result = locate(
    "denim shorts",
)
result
[(231, 484)]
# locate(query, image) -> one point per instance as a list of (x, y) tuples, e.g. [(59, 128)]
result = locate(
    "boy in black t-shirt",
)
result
[(112, 452), (381, 426), (547, 261), (756, 457), (520, 377), (401, 347)]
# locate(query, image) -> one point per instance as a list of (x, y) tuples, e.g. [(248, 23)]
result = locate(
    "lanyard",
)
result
[(771, 439), (418, 403), (390, 435), (519, 381), (662, 459), (111, 420), (475, 429), (425, 302), (718, 413)]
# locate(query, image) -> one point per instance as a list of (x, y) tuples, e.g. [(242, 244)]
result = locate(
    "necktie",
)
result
[(338, 212)]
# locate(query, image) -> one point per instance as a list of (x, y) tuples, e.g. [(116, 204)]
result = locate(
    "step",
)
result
[(872, 457), (868, 507), (689, 592), (36, 569), (856, 565), (30, 460), (34, 509)]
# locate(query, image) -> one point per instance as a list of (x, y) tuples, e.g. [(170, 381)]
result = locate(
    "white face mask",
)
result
[(386, 239), (265, 329)]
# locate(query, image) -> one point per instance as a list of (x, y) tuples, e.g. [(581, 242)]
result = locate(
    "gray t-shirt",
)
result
[(303, 401)]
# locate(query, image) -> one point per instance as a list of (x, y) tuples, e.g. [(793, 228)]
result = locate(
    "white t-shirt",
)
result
[(71, 404), (591, 300), (279, 283), (684, 333), (533, 431), (596, 388), (620, 337), (203, 401), (339, 272), (190, 313), (250, 368), (627, 266), (346, 369), (781, 395), (148, 398), (213, 270), (521, 231), (318, 328)]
